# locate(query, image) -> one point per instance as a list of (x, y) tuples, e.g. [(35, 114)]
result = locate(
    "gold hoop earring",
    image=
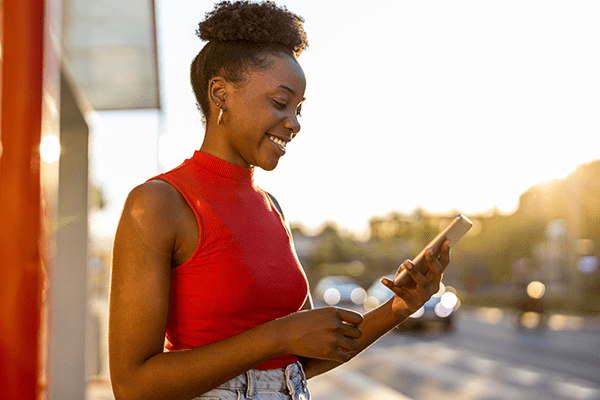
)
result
[(220, 117)]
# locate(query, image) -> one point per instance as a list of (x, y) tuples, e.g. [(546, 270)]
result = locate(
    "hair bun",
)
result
[(263, 22)]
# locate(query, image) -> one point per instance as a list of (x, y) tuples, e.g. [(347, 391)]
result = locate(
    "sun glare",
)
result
[(50, 149)]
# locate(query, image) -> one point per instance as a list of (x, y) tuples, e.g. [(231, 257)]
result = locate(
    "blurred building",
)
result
[(61, 60)]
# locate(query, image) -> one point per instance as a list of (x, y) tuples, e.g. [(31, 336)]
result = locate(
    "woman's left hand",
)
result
[(410, 299)]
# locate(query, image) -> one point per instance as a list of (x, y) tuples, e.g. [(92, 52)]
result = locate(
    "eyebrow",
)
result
[(289, 89)]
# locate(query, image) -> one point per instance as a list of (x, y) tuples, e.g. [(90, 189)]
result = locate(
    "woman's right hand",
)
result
[(325, 333)]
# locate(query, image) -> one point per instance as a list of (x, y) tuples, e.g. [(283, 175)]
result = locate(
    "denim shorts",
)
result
[(287, 383)]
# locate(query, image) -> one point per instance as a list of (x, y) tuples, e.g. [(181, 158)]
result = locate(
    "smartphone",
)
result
[(453, 232)]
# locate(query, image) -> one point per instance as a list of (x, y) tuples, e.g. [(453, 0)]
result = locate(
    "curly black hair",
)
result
[(240, 37)]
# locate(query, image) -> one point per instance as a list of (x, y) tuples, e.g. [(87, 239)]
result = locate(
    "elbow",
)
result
[(124, 387), (121, 391), (137, 386)]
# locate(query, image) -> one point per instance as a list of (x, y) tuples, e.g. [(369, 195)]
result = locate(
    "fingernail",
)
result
[(408, 265), (430, 252), (385, 281)]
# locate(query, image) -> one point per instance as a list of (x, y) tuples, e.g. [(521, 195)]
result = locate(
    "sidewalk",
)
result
[(345, 384)]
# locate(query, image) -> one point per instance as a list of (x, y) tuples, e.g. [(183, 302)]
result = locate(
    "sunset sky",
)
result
[(443, 105)]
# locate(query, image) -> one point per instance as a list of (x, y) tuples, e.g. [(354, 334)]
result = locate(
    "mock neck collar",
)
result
[(223, 168)]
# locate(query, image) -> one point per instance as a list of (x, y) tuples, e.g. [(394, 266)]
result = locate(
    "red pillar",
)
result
[(21, 268)]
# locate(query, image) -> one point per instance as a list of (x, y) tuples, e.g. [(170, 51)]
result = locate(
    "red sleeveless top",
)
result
[(244, 271)]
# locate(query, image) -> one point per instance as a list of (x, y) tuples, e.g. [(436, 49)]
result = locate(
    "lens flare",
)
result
[(332, 296), (536, 290), (371, 303), (490, 315), (442, 311), (50, 149), (530, 319), (358, 296), (558, 322), (449, 300)]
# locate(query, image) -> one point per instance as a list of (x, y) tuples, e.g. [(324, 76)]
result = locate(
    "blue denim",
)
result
[(287, 383)]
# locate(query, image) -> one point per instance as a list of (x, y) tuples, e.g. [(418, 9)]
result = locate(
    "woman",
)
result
[(203, 265)]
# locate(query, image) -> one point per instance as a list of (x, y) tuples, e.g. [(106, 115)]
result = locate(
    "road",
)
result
[(485, 357)]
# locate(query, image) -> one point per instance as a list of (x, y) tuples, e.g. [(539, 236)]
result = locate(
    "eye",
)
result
[(279, 104), (282, 106)]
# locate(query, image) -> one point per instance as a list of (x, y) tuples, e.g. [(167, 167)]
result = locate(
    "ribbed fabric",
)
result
[(244, 271)]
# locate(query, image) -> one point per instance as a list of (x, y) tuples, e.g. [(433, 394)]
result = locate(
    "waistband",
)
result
[(290, 379)]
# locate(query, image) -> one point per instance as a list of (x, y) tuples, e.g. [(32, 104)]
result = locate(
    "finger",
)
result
[(444, 256), (398, 290), (348, 344), (434, 264), (388, 283), (340, 355), (351, 331), (350, 317), (418, 277)]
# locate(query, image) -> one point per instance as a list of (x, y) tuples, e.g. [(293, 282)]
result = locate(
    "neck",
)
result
[(214, 145)]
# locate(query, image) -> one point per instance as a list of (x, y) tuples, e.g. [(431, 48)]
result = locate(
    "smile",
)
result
[(280, 143)]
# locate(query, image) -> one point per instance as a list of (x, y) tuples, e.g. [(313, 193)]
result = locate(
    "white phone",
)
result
[(453, 232)]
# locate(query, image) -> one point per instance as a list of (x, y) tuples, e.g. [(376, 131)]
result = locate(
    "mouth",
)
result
[(278, 142)]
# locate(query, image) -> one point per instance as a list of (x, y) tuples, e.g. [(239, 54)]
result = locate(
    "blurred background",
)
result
[(415, 112)]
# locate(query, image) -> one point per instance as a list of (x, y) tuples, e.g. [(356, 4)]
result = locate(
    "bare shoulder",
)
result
[(150, 213), (154, 195), (155, 202), (157, 213)]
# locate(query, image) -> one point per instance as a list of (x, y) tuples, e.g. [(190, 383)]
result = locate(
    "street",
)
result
[(485, 357)]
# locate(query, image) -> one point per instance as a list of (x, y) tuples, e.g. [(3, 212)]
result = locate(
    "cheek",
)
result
[(254, 114), (264, 112), (251, 114)]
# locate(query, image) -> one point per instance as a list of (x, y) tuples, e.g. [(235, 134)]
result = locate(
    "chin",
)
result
[(269, 165)]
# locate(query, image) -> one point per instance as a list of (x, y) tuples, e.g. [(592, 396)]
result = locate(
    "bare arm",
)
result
[(148, 236), (385, 317)]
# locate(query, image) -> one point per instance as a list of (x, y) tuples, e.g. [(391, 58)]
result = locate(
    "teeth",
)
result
[(278, 141)]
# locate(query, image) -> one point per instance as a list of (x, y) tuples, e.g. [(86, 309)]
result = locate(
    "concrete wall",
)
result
[(68, 292)]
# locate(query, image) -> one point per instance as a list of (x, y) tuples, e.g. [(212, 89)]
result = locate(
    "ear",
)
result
[(217, 91)]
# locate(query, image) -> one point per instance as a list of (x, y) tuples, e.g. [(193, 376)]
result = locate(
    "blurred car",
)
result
[(438, 310), (531, 314), (340, 290)]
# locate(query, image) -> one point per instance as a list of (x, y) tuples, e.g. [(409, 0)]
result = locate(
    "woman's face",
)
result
[(262, 114)]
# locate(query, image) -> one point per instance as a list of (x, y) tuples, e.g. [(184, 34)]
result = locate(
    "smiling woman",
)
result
[(254, 83), (207, 295)]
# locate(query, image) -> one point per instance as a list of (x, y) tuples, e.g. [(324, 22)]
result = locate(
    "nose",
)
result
[(292, 124)]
